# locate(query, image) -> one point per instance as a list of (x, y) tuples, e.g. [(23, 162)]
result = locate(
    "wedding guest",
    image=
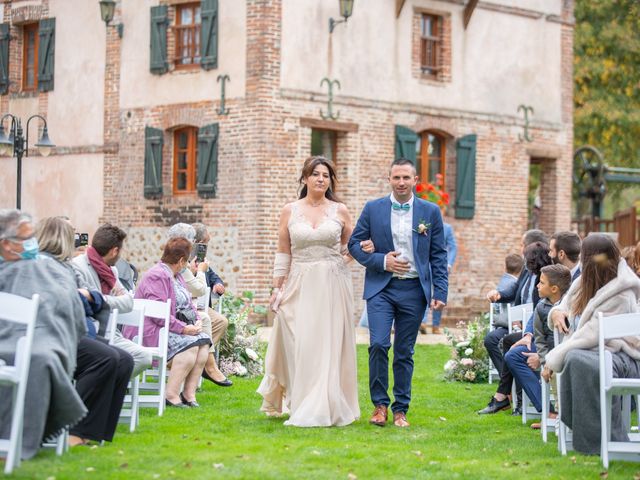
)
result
[(564, 248), (216, 324), (52, 402), (188, 344), (95, 270), (513, 264), (103, 371), (606, 285)]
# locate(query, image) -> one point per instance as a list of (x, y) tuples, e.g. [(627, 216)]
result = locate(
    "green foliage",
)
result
[(239, 349), (469, 359), (607, 79)]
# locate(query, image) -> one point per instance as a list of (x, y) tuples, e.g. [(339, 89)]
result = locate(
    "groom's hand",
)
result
[(396, 265), (437, 304)]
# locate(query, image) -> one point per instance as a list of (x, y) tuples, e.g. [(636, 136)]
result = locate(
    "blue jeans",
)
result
[(527, 378), (404, 302)]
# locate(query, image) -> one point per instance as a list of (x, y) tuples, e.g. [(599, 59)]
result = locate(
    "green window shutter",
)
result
[(46, 53), (153, 141), (207, 160), (159, 21), (4, 57), (466, 176), (406, 140), (209, 34)]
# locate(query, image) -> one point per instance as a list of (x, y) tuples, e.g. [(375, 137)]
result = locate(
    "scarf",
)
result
[(105, 274)]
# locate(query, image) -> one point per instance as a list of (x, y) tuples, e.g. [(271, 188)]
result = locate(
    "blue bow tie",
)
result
[(404, 206)]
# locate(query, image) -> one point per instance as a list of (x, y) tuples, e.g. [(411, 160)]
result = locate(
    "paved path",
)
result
[(362, 337)]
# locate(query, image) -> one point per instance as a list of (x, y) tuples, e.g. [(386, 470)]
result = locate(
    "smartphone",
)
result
[(81, 240), (201, 252)]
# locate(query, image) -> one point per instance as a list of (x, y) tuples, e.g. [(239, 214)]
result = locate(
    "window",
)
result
[(30, 57), (324, 142), (430, 44), (431, 156), (187, 28), (185, 154)]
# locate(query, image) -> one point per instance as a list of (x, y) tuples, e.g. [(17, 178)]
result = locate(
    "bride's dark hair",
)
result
[(307, 169)]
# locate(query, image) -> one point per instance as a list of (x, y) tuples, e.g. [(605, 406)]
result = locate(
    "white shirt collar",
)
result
[(393, 200)]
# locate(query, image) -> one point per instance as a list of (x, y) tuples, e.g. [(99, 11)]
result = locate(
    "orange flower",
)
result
[(419, 188)]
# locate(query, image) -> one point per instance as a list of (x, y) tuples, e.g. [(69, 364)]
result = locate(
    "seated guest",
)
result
[(495, 343), (188, 344), (606, 285), (96, 270), (516, 295), (52, 402), (525, 356), (103, 371), (218, 323), (564, 248), (513, 264)]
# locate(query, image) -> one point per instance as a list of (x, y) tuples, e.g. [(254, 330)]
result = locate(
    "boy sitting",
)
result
[(525, 356)]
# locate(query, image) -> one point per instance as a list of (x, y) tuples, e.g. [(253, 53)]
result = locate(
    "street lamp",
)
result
[(16, 145), (346, 9)]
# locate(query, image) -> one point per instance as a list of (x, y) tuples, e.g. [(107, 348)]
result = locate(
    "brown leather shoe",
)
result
[(400, 419), (379, 416), (436, 330)]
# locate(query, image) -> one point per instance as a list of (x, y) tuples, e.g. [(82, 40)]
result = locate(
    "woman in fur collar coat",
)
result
[(606, 285)]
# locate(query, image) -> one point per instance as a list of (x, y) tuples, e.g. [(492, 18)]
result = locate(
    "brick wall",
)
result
[(262, 145)]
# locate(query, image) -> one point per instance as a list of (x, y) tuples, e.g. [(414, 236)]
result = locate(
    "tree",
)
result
[(607, 79)]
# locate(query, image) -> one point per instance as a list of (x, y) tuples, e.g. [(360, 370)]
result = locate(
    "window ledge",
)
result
[(27, 94)]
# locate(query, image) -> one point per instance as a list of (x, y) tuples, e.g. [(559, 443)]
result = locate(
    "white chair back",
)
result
[(519, 313), (156, 309), (22, 311), (616, 326)]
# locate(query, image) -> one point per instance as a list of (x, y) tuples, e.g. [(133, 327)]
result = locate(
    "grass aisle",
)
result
[(227, 437)]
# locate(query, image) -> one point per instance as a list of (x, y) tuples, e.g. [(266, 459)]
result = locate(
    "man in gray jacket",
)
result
[(95, 270)]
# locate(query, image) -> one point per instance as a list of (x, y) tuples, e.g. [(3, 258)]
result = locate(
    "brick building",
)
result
[(136, 112)]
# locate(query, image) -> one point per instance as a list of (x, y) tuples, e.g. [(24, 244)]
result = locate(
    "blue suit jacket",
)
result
[(450, 244), (429, 250)]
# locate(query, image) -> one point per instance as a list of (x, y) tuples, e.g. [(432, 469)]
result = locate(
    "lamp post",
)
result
[(16, 145), (346, 9)]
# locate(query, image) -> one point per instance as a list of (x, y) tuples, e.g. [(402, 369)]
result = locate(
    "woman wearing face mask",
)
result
[(188, 345), (52, 402)]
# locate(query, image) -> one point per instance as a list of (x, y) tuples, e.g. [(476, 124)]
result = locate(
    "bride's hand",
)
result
[(367, 246), (274, 301)]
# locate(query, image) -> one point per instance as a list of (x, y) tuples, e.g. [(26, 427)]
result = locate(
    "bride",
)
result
[(310, 368)]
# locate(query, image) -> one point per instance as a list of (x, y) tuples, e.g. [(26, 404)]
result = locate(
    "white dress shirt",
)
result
[(402, 235)]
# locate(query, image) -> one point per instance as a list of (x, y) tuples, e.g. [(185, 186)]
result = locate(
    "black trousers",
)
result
[(506, 378), (102, 374)]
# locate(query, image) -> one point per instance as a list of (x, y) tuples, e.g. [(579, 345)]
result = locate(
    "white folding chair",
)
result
[(616, 326), (493, 308), (549, 424), (135, 318), (220, 300), (518, 314), (155, 309), (22, 311)]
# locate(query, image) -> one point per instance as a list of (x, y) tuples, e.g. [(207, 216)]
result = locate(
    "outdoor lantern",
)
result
[(44, 145), (107, 9), (346, 9)]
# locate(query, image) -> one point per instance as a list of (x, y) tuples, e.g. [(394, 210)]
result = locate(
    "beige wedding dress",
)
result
[(310, 368)]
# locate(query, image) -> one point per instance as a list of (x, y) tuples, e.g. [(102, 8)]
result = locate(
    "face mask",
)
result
[(30, 249)]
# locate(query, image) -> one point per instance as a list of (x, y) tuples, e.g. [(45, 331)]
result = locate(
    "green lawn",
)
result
[(228, 437)]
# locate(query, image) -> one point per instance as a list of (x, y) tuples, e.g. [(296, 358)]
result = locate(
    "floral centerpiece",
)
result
[(239, 349), (433, 193), (469, 359)]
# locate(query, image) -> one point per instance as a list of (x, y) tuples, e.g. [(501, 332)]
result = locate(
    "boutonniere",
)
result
[(422, 228)]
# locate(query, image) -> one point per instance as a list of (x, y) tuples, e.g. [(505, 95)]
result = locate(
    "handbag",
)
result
[(188, 316)]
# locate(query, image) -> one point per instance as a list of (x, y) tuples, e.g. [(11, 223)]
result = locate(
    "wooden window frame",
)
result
[(30, 27), (192, 160), (430, 67), (194, 47), (334, 149), (425, 158)]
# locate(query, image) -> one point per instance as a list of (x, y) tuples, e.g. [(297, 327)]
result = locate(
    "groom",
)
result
[(410, 260)]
